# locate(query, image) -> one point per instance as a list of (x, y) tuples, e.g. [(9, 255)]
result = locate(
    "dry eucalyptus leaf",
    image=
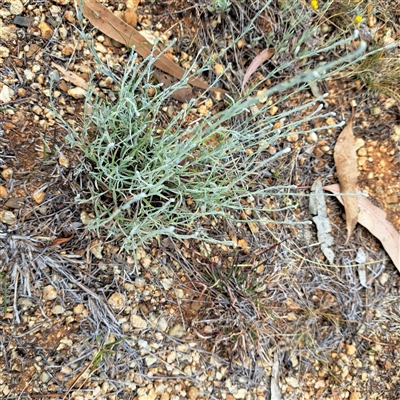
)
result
[(183, 95), (255, 64), (60, 241), (346, 166), (374, 219), (108, 23)]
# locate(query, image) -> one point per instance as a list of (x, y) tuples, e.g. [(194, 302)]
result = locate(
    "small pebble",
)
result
[(39, 197), (166, 283), (138, 322), (3, 192), (293, 138), (292, 381), (358, 143), (16, 7), (106, 83), (312, 137), (262, 97), (100, 48), (383, 278), (69, 16), (177, 331), (49, 293), (240, 394), (351, 349), (46, 30), (162, 324), (320, 384), (330, 121), (6, 94), (193, 393), (273, 110), (44, 377), (375, 111), (68, 49), (96, 248), (219, 69), (8, 217), (77, 93), (4, 52), (57, 310), (15, 203), (63, 161), (22, 21), (117, 301), (393, 199), (292, 317), (150, 360)]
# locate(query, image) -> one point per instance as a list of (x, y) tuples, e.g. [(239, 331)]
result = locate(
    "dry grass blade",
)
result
[(374, 219), (346, 166), (261, 58), (104, 20), (60, 241)]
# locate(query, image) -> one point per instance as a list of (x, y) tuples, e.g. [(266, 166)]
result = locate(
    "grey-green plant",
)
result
[(149, 174)]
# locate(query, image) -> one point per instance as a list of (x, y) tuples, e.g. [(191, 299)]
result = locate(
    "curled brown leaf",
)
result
[(374, 219), (108, 23), (255, 64)]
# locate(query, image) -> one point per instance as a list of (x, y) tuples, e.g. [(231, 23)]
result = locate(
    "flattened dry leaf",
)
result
[(320, 217), (183, 95), (374, 219), (59, 241), (259, 60), (71, 77), (104, 20), (346, 166)]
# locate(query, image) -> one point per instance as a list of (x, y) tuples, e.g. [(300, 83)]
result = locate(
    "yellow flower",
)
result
[(314, 4), (358, 19)]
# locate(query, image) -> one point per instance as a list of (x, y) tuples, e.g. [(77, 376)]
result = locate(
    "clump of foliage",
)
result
[(149, 174)]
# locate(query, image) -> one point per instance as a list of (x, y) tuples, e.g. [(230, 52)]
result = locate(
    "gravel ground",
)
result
[(267, 320)]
